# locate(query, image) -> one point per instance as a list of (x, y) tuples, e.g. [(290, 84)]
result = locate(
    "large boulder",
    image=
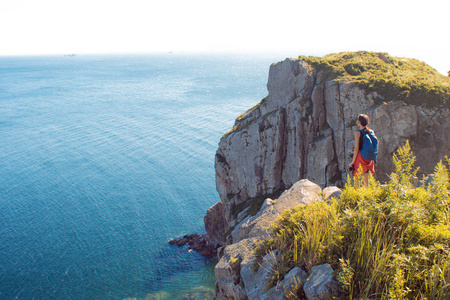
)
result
[(229, 283), (241, 277), (257, 285), (302, 192), (290, 285)]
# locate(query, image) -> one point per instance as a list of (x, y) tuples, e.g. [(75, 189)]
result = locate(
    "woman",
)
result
[(358, 160)]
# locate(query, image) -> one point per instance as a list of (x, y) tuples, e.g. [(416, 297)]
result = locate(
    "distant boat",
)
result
[(70, 54)]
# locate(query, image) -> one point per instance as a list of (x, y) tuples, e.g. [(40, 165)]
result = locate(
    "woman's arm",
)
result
[(355, 151)]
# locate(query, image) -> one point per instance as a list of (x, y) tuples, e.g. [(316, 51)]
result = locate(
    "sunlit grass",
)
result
[(393, 78), (385, 242)]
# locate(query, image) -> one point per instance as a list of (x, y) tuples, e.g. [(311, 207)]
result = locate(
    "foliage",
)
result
[(404, 167), (386, 241), (394, 78), (295, 291), (233, 260)]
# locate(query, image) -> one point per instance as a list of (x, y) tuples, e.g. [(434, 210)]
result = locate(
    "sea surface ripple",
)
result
[(103, 159)]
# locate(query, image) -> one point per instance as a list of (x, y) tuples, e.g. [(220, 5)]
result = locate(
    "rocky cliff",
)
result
[(305, 128), (240, 276)]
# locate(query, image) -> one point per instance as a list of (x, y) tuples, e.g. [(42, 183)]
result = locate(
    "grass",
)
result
[(393, 78), (387, 241)]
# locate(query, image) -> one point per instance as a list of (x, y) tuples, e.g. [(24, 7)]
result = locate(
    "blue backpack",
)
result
[(369, 150)]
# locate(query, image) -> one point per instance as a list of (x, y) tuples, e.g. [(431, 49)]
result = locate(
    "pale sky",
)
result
[(414, 29)]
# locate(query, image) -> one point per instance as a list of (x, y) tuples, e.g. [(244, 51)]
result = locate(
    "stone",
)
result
[(235, 272), (255, 282), (215, 224), (320, 283), (301, 193), (428, 181), (332, 192), (180, 241), (197, 242), (291, 283), (229, 281), (384, 58)]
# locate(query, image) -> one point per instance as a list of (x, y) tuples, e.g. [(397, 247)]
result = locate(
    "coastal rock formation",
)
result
[(303, 132), (197, 242), (305, 128), (215, 224), (240, 276), (302, 192), (228, 270)]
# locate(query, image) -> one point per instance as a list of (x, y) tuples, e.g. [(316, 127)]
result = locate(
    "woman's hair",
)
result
[(363, 119)]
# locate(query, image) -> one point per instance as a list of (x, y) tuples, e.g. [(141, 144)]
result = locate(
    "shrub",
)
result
[(386, 241)]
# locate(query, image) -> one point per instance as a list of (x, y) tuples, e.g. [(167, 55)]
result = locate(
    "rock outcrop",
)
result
[(215, 224), (321, 283), (197, 242), (305, 128), (302, 192), (240, 276)]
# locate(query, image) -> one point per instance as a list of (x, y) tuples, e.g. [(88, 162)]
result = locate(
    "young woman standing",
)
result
[(358, 160)]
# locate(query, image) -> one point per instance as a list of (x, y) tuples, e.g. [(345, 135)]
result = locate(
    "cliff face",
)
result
[(303, 132), (305, 128)]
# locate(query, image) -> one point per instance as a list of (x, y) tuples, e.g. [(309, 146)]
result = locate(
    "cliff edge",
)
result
[(304, 129)]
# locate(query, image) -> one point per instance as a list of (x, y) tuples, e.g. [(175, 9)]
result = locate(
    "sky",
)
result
[(413, 29)]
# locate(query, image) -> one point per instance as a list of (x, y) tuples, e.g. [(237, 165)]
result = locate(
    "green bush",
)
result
[(387, 241)]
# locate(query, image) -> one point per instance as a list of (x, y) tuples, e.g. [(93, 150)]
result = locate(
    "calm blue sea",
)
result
[(103, 159)]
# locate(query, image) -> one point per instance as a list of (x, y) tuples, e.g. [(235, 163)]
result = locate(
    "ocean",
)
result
[(104, 159)]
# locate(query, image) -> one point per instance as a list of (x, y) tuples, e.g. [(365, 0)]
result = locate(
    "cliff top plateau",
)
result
[(394, 78)]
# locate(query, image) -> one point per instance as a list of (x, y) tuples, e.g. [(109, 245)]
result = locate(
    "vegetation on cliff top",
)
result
[(393, 78), (385, 242)]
